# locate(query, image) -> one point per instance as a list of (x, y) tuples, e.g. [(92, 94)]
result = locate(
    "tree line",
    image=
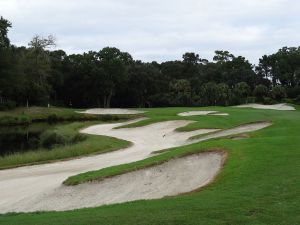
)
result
[(37, 75)]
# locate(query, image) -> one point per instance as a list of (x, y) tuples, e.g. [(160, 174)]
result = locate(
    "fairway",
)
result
[(149, 112), (259, 175)]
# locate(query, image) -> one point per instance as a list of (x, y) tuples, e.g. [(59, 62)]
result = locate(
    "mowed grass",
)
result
[(259, 184), (90, 144), (235, 118)]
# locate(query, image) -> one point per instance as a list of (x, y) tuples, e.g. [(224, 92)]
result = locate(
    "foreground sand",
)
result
[(39, 187), (171, 178)]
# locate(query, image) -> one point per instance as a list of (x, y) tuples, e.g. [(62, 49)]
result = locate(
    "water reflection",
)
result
[(21, 138)]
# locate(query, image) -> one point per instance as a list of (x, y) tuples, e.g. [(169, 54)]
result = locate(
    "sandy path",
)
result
[(282, 106), (21, 187)]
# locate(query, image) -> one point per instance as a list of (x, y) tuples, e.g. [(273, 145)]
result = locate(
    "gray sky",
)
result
[(159, 29)]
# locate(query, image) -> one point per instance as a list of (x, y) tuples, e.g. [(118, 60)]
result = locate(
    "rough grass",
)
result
[(259, 184), (25, 115), (90, 144)]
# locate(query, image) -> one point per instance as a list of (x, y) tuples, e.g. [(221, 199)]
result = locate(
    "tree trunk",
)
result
[(108, 99), (104, 101)]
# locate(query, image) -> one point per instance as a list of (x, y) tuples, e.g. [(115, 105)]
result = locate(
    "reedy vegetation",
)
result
[(63, 142)]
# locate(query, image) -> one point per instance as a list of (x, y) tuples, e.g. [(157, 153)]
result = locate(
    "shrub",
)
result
[(51, 138), (24, 119), (269, 101)]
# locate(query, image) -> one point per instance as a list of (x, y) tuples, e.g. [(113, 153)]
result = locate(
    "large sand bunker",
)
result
[(111, 111), (21, 187), (202, 113), (174, 177), (282, 106)]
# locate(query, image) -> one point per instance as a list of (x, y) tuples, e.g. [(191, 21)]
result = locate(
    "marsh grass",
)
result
[(71, 145), (23, 115)]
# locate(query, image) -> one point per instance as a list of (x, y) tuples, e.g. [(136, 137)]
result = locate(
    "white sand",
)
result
[(282, 106), (236, 130), (196, 113), (111, 111), (219, 114), (202, 113), (171, 178), (19, 185), (20, 188)]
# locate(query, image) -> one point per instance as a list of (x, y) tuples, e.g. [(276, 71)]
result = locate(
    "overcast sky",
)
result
[(159, 30)]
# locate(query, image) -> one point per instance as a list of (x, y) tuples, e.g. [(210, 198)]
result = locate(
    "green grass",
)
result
[(23, 115), (259, 184), (91, 144), (235, 118)]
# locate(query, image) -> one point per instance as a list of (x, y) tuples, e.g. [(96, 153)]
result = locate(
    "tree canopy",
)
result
[(39, 75)]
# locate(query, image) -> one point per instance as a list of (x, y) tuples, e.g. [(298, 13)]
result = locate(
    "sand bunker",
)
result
[(174, 177), (282, 106), (109, 111), (218, 114), (20, 188), (233, 131), (20, 185), (202, 113)]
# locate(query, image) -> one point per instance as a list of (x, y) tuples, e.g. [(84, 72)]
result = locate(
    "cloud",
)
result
[(158, 30)]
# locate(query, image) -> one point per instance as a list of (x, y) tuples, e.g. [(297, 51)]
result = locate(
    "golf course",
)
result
[(125, 112), (239, 167)]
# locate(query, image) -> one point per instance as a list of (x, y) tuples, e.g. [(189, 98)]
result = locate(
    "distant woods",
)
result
[(37, 75)]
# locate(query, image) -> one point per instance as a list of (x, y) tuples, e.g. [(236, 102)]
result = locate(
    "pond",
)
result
[(21, 138)]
